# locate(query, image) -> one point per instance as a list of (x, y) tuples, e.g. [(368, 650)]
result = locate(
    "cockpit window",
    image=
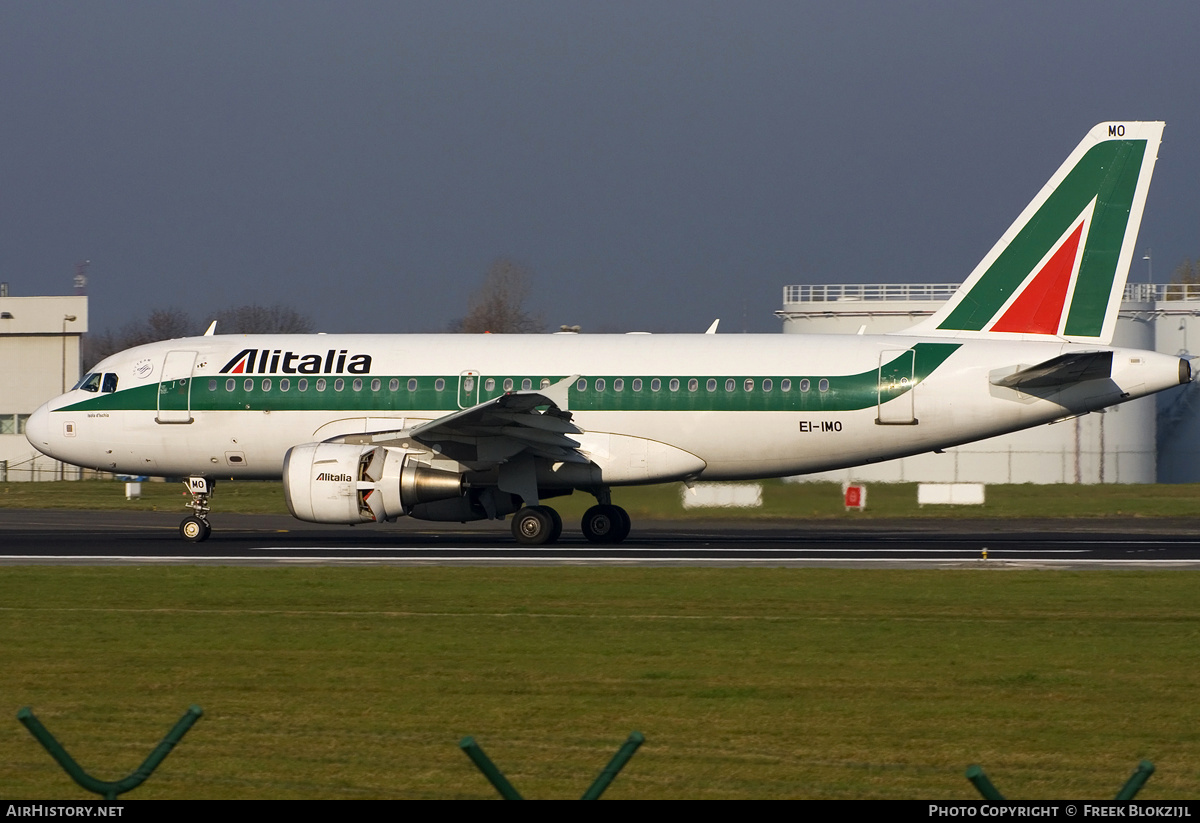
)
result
[(110, 383), (89, 382)]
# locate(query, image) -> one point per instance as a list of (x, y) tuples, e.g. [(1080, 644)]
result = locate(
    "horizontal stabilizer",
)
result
[(1064, 370)]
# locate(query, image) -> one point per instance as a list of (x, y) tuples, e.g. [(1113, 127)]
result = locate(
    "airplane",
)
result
[(369, 428)]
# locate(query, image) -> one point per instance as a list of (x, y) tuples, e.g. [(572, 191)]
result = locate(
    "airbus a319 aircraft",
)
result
[(368, 428)]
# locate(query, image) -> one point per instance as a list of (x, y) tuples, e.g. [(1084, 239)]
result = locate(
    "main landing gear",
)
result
[(536, 525), (605, 523), (540, 525), (195, 527)]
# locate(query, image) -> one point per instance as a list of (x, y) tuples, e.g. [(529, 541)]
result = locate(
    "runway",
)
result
[(72, 537)]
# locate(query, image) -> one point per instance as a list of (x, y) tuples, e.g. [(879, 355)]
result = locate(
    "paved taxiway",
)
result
[(69, 537)]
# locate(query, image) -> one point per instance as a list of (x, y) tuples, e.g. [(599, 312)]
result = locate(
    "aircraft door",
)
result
[(468, 389), (175, 388), (896, 388)]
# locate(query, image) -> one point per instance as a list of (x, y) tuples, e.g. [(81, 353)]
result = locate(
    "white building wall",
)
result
[(39, 354), (1120, 445), (1177, 331)]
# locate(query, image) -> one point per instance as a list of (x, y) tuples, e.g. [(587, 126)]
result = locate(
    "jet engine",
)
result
[(343, 483)]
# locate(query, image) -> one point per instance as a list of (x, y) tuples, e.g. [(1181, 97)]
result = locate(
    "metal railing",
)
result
[(868, 291), (941, 292), (1156, 292)]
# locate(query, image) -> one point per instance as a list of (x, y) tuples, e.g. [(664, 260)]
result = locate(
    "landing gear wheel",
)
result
[(626, 525), (194, 530), (536, 525), (557, 523), (605, 524)]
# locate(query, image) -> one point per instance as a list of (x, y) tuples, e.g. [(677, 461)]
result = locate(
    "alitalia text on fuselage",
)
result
[(278, 361)]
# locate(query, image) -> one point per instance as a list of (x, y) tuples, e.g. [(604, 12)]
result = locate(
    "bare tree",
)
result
[(498, 305), (256, 319), (170, 323), (1184, 280), (162, 324), (167, 324), (1187, 272)]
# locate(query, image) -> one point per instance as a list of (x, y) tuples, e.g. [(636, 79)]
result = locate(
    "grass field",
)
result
[(748, 683), (780, 500)]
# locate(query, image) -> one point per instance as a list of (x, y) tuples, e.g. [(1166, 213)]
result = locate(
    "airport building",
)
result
[(39, 359), (1154, 439)]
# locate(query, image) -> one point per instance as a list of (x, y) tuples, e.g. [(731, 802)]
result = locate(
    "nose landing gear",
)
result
[(195, 527)]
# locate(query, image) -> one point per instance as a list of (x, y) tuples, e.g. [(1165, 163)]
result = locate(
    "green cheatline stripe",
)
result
[(1107, 172), (846, 392)]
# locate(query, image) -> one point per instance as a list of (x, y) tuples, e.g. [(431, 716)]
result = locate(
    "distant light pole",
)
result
[(1149, 266), (67, 318)]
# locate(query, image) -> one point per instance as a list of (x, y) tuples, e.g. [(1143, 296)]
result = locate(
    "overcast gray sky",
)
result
[(654, 164)]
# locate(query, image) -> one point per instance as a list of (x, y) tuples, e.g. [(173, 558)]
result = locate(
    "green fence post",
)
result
[(975, 775), (614, 766), (485, 765), (108, 789), (1136, 780)]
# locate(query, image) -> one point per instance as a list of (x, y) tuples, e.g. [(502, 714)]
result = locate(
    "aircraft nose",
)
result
[(37, 429)]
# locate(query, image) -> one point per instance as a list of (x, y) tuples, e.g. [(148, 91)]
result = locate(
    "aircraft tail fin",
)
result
[(1059, 271)]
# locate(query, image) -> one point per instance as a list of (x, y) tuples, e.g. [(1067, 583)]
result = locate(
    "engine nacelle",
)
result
[(343, 483)]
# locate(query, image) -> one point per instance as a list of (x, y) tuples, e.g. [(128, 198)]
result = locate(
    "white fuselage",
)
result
[(745, 406)]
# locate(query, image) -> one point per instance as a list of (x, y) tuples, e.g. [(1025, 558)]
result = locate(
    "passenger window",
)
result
[(637, 384), (489, 384), (655, 384), (600, 384), (618, 385), (526, 384)]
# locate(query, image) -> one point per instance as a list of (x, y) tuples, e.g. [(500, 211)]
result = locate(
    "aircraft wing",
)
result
[(1057, 372), (505, 426)]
